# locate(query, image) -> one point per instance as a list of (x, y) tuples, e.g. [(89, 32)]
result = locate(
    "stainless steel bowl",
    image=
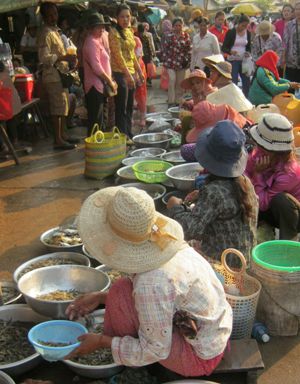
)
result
[(61, 277), (21, 312), (11, 287), (126, 173), (152, 117), (57, 248), (148, 152), (76, 258), (183, 176), (173, 157), (132, 160), (159, 140), (156, 191), (5, 379), (174, 111), (94, 371)]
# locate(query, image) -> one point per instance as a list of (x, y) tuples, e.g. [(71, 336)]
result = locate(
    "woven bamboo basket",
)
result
[(243, 303)]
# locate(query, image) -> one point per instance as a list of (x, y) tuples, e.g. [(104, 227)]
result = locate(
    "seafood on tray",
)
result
[(64, 238)]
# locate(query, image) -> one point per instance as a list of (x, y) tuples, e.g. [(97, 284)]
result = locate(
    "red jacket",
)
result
[(219, 34)]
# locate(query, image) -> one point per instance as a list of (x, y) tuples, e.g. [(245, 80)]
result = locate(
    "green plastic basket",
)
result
[(151, 171), (278, 255)]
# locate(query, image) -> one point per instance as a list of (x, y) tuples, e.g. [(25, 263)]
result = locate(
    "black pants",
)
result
[(283, 213), (94, 104), (123, 104), (293, 74)]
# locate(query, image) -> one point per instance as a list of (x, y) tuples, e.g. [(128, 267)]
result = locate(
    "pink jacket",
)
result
[(96, 60), (284, 178)]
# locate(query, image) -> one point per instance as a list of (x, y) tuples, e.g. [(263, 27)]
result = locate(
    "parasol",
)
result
[(247, 9)]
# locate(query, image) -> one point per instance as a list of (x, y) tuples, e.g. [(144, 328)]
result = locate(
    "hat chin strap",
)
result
[(156, 234)]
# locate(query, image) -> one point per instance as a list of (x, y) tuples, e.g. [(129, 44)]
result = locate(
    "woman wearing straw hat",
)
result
[(266, 39), (275, 174), (172, 309), (226, 207), (266, 82)]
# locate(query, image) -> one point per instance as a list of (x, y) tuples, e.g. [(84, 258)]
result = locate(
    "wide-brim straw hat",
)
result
[(221, 149), (121, 228), (195, 14), (197, 73), (213, 59), (273, 132), (265, 28), (96, 19), (224, 68), (232, 95)]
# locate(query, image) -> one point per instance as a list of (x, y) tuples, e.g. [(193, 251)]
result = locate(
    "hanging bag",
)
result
[(104, 152), (151, 70), (6, 103)]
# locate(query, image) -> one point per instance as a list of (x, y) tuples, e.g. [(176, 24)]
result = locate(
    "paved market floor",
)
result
[(46, 189)]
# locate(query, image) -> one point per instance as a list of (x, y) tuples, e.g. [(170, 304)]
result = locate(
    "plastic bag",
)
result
[(247, 66), (164, 79)]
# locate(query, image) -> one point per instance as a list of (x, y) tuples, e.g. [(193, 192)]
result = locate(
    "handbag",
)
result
[(6, 107), (104, 152)]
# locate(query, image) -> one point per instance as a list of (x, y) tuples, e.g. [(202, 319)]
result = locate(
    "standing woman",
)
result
[(125, 68), (237, 45), (287, 14), (291, 40), (219, 29), (97, 70), (176, 57), (204, 44)]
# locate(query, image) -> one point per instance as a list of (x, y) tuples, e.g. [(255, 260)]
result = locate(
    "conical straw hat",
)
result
[(231, 95)]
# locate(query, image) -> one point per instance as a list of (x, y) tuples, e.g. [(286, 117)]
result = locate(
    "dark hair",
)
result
[(141, 28), (241, 186), (202, 19), (45, 6), (220, 13), (120, 8), (177, 20), (243, 18), (287, 5)]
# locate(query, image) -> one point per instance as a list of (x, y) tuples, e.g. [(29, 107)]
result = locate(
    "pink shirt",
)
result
[(270, 182), (96, 61), (279, 27)]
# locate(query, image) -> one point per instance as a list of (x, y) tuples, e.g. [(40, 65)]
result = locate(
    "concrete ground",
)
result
[(46, 189)]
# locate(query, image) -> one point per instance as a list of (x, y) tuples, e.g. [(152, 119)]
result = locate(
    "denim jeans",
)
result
[(236, 71), (123, 104)]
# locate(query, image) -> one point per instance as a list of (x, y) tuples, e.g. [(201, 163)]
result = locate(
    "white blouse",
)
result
[(203, 47)]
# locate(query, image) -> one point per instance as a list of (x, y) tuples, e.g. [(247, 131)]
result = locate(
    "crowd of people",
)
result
[(173, 308)]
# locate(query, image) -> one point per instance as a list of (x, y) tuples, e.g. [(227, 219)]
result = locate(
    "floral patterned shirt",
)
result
[(177, 51), (216, 220), (274, 43), (292, 52), (185, 283)]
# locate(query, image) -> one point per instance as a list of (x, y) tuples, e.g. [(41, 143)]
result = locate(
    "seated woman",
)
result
[(172, 309), (220, 74), (225, 211), (275, 174), (266, 82)]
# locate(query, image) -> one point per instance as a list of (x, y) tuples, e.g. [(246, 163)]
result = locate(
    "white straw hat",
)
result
[(265, 28), (213, 59), (121, 228), (232, 95), (273, 132)]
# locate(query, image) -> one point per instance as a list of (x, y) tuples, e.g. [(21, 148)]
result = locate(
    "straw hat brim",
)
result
[(220, 70), (217, 166), (213, 59), (267, 145), (260, 32), (186, 83), (115, 252)]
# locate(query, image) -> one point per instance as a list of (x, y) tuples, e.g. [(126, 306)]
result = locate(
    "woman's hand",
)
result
[(262, 163), (85, 304), (89, 343), (113, 85), (294, 85), (192, 197), (173, 201)]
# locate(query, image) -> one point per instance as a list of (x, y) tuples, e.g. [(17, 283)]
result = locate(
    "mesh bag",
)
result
[(242, 293)]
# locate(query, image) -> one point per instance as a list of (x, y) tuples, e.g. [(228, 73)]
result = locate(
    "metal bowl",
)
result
[(179, 194), (183, 176), (10, 293), (173, 157), (156, 191), (76, 258), (57, 248), (132, 160), (60, 277), (5, 379), (148, 152), (94, 371), (174, 111), (126, 173), (21, 312), (158, 140), (152, 117)]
